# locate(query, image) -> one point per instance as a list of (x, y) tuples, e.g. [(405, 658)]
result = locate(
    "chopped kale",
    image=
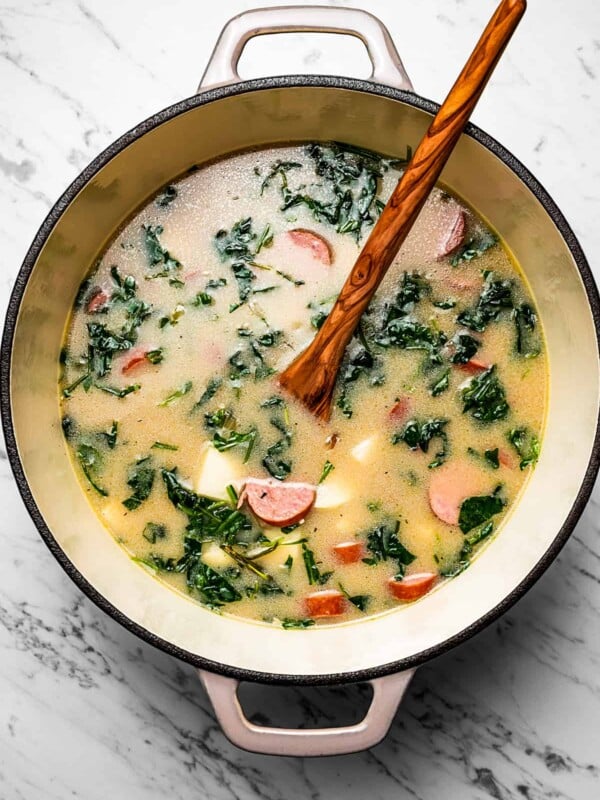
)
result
[(173, 318), (475, 247), (440, 384), (166, 197), (140, 478), (212, 387), (527, 343), (484, 397), (361, 601), (418, 435), (464, 557), (111, 435), (232, 439), (315, 576), (289, 623), (497, 296), (177, 394), (68, 427), (465, 347), (153, 532), (383, 544), (157, 255), (125, 288), (119, 392), (527, 445), (91, 461), (474, 511), (327, 468), (164, 446)]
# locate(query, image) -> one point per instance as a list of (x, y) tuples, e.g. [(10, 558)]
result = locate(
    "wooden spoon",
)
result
[(312, 375)]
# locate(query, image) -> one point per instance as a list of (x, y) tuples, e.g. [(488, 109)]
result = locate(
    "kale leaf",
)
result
[(418, 435), (484, 397), (474, 511)]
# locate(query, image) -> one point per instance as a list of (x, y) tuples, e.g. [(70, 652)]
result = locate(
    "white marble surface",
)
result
[(86, 710)]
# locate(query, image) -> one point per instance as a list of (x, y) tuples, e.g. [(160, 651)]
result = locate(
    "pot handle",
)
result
[(387, 65), (387, 694)]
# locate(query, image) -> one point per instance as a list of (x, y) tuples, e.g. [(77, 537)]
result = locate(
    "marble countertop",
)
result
[(88, 711)]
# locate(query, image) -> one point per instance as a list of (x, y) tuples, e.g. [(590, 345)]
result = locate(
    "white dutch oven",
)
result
[(383, 114)]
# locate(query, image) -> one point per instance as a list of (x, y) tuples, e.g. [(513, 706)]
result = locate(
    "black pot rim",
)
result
[(210, 96)]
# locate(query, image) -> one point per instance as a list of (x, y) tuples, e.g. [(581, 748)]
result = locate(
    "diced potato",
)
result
[(332, 494), (217, 471), (115, 514), (215, 557), (366, 451)]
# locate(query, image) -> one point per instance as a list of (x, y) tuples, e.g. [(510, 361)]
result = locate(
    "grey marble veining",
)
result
[(88, 711)]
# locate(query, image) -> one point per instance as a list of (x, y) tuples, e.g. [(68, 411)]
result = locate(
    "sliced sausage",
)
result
[(318, 246), (278, 504), (413, 586), (327, 603), (452, 483), (348, 552), (135, 358), (454, 236), (473, 366), (97, 301), (400, 411)]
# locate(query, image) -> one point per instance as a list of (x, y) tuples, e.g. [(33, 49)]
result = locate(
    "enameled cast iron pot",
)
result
[(383, 114)]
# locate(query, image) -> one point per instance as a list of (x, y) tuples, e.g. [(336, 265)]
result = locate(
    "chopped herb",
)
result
[(465, 347), (418, 435), (164, 446), (374, 506), (166, 197), (177, 394), (141, 479), (203, 299), (153, 532), (315, 576), (485, 397), (356, 364), (408, 334), (474, 511), (327, 468), (445, 305), (440, 384), (527, 445), (265, 239), (475, 247), (383, 543), (278, 467), (91, 461), (288, 562), (274, 401)]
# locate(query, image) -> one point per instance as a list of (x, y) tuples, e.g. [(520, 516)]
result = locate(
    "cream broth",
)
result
[(171, 406)]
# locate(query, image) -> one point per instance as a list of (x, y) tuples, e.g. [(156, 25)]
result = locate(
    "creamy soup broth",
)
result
[(169, 390)]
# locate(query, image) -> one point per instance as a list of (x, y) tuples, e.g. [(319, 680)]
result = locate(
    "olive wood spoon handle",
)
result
[(312, 375)]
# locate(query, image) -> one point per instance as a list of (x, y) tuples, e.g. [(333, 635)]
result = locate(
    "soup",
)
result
[(229, 490)]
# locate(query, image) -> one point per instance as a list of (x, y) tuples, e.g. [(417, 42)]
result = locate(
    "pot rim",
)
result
[(14, 305)]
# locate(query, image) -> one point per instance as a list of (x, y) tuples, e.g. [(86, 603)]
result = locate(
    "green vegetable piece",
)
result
[(491, 456), (475, 247), (91, 461), (419, 434), (212, 387), (236, 439), (111, 435), (157, 255), (315, 576), (475, 511), (527, 344), (166, 197), (327, 468), (141, 479), (383, 544), (527, 445), (153, 532), (441, 384), (290, 624), (176, 395), (465, 347), (485, 398), (164, 446), (361, 601), (496, 297)]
